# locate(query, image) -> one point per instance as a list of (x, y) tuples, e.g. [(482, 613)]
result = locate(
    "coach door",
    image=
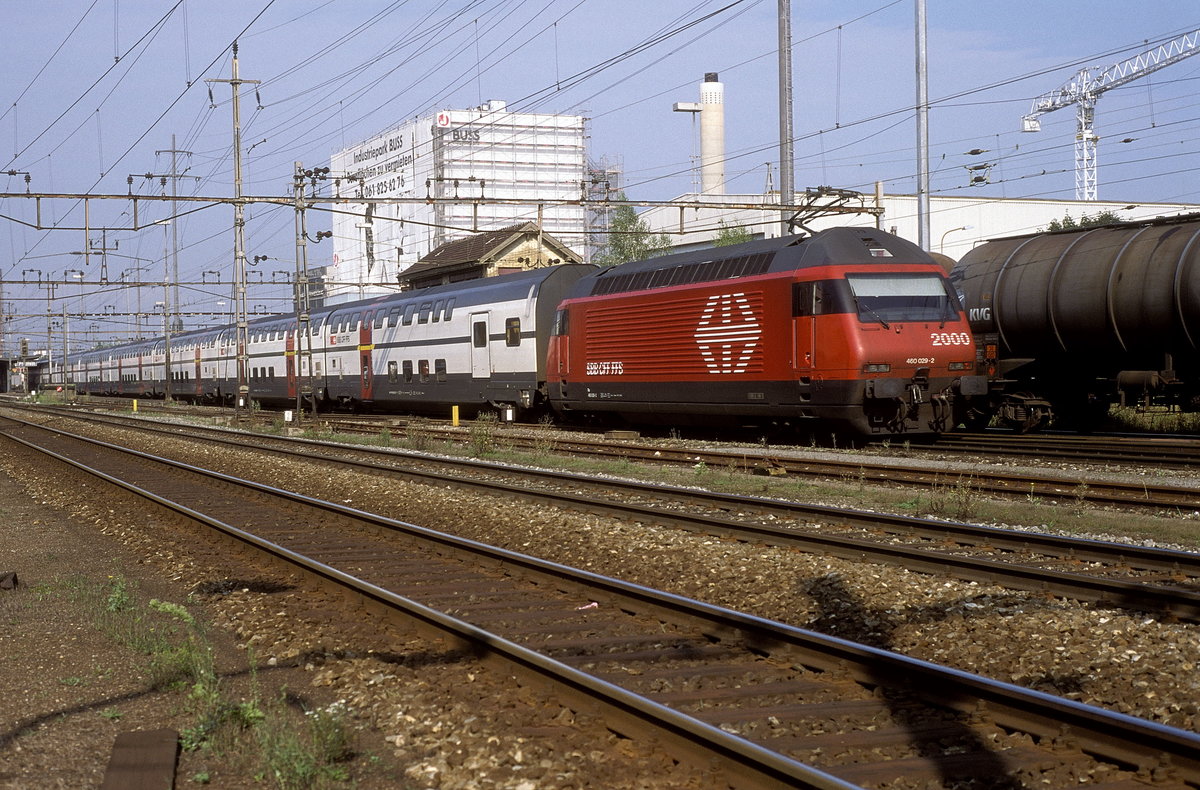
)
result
[(289, 361), (481, 350), (365, 349)]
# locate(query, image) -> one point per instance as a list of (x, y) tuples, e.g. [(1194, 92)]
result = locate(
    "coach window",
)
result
[(449, 309), (439, 369), (380, 318), (408, 370), (437, 309), (409, 310), (392, 372), (512, 331), (354, 322), (393, 316), (423, 368), (423, 317), (479, 336)]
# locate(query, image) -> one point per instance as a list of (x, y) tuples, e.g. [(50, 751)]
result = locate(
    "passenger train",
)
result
[(850, 329)]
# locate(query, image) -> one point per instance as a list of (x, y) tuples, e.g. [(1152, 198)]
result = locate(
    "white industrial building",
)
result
[(482, 152), (956, 223)]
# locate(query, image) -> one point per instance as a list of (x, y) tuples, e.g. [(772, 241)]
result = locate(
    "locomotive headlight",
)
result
[(961, 365), (876, 367)]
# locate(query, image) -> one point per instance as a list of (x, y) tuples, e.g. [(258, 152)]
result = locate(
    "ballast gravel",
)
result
[(463, 723)]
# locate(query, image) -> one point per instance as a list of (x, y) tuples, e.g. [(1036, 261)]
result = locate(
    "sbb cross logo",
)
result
[(727, 333)]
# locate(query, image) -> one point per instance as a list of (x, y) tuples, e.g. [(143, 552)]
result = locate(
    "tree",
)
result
[(732, 234), (1084, 221), (629, 238)]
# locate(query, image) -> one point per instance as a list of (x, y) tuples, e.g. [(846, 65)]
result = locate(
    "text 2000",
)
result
[(950, 338)]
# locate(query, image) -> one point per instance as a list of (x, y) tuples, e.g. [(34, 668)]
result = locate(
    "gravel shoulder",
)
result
[(420, 716)]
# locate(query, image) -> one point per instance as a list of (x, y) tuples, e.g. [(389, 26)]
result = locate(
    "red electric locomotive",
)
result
[(851, 330)]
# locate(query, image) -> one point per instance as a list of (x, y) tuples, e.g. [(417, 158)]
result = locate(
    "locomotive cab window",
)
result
[(512, 331), (881, 298)]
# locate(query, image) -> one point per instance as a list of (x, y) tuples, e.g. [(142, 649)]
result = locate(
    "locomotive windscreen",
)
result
[(902, 297)]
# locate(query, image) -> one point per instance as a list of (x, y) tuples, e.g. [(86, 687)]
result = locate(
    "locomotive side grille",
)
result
[(699, 335), (684, 274)]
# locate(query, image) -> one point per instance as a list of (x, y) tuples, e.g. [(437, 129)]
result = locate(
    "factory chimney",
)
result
[(712, 133)]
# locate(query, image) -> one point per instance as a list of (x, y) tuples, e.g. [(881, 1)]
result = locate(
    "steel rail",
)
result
[(1156, 451)]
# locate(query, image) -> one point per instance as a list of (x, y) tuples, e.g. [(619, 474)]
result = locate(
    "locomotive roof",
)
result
[(834, 246)]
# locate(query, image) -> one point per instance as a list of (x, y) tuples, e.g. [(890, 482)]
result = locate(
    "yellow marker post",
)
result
[(135, 404), (454, 416)]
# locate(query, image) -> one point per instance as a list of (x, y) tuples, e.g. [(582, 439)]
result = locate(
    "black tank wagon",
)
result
[(1068, 323)]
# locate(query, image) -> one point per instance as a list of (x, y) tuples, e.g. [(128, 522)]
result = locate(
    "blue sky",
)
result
[(94, 89)]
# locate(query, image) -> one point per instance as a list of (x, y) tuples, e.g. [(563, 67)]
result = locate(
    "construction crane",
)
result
[(1087, 86)]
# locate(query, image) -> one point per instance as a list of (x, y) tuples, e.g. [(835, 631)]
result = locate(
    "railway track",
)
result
[(1157, 452), (1045, 486), (768, 704), (1162, 581), (1154, 451)]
